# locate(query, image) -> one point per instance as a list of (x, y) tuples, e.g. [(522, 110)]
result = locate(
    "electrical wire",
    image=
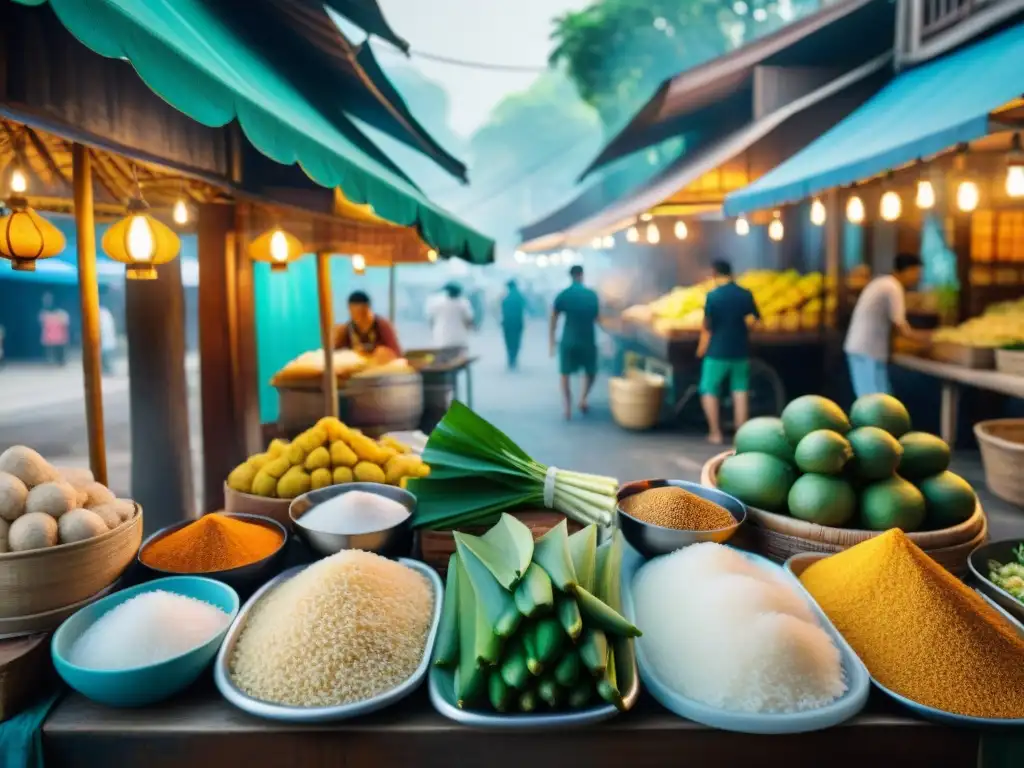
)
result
[(468, 64)]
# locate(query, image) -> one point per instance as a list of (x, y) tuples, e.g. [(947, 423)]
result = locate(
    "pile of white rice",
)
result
[(721, 630)]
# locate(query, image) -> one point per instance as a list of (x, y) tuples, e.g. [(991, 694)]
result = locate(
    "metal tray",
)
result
[(978, 564), (290, 714), (442, 696), (798, 563), (846, 706)]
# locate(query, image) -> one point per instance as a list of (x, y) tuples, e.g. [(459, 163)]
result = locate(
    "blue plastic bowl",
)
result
[(140, 686)]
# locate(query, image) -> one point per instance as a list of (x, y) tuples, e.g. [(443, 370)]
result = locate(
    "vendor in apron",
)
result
[(365, 332)]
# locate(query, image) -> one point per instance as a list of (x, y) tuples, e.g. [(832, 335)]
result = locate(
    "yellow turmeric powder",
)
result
[(212, 543), (919, 630)]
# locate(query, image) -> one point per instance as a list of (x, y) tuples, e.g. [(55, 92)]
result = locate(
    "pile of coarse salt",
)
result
[(355, 512), (147, 629)]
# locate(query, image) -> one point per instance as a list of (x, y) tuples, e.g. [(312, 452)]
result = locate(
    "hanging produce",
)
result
[(477, 472)]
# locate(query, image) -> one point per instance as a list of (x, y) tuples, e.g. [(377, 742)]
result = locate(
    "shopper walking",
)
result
[(577, 348), (513, 320), (880, 310), (725, 346), (451, 317), (108, 339), (54, 324)]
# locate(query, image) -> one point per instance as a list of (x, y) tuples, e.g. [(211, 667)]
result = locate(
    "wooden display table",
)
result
[(200, 729), (953, 379)]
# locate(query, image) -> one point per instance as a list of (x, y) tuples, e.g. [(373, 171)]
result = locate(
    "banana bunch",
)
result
[(989, 330)]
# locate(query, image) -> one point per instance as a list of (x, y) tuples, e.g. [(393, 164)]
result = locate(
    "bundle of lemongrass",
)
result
[(477, 472)]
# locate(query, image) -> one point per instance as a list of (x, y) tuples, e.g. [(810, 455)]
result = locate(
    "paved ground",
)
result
[(43, 407)]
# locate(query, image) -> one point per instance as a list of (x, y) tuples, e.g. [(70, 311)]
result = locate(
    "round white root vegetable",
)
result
[(96, 494), (4, 529), (108, 513), (13, 494), (76, 477), (53, 499), (27, 465), (123, 509), (34, 530), (79, 525)]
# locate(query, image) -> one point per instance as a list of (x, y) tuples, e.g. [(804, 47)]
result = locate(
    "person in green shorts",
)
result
[(725, 346), (577, 349)]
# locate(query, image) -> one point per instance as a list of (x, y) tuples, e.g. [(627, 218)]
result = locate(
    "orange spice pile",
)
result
[(212, 543)]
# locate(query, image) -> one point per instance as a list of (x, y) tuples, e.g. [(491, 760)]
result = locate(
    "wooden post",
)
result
[(391, 292), (961, 247), (89, 295), (834, 245), (323, 287)]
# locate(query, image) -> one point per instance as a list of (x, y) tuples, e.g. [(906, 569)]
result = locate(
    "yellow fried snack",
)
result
[(365, 472), (320, 478), (296, 453), (276, 467), (241, 478), (402, 465), (336, 429), (342, 475), (404, 483), (368, 449), (342, 455), (276, 448), (311, 439), (398, 445), (319, 458), (264, 484), (257, 460), (296, 481)]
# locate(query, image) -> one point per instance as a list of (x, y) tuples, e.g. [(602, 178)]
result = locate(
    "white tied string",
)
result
[(549, 487)]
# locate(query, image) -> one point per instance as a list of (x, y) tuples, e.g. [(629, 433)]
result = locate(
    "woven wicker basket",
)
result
[(636, 400), (1010, 361), (781, 536), (45, 580), (238, 503), (1002, 454), (436, 547)]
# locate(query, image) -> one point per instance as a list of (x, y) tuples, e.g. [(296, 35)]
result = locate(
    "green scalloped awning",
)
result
[(193, 61)]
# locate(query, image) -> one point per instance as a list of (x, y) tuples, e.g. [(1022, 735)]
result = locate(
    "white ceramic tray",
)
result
[(292, 714)]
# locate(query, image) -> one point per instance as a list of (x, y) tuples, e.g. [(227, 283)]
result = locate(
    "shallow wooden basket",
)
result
[(1002, 454), (436, 547), (42, 581), (779, 537), (238, 503), (1010, 361)]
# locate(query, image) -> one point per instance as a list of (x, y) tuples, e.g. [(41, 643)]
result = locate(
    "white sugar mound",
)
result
[(355, 512), (147, 629), (721, 630)]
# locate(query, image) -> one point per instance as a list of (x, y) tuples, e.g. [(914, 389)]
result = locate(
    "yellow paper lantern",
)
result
[(25, 236), (277, 248), (140, 242)]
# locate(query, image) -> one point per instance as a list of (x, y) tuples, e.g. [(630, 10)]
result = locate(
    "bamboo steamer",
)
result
[(1002, 455), (781, 536), (436, 547), (41, 582), (238, 503)]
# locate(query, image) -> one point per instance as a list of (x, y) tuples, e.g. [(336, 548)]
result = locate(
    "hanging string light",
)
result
[(891, 206), (776, 230), (653, 234), (1015, 169), (817, 212), (277, 248), (633, 235), (596, 243), (609, 241), (855, 210), (646, 216), (180, 212), (139, 241), (681, 230), (431, 255), (967, 196), (742, 227), (25, 236), (925, 199), (359, 264)]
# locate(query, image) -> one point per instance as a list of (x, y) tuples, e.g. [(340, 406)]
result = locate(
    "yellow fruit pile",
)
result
[(1002, 325), (329, 453)]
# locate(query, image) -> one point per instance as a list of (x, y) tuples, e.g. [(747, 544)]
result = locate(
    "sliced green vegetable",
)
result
[(567, 671), (581, 693), (515, 540), (513, 668), (469, 678), (583, 551), (609, 572), (534, 591), (528, 701), (494, 558), (569, 616), (495, 600), (593, 648), (598, 615), (533, 662), (446, 649), (549, 639), (549, 692), (551, 552), (607, 684), (488, 644), (498, 692)]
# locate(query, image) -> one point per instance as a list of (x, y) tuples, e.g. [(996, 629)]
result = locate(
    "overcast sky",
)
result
[(508, 32)]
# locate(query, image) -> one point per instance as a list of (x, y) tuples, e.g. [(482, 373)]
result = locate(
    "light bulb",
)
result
[(1015, 181), (776, 229), (279, 247), (855, 210), (818, 214), (891, 206), (925, 195), (19, 184), (542, 261), (967, 196), (742, 227), (681, 230), (431, 255), (633, 235), (180, 213), (358, 263), (520, 257), (609, 241), (646, 216), (596, 243), (653, 234), (140, 240)]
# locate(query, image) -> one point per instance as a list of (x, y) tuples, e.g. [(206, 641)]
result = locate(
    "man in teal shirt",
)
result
[(725, 346), (577, 349)]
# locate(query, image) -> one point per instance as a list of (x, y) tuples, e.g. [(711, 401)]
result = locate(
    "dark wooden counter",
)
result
[(199, 729)]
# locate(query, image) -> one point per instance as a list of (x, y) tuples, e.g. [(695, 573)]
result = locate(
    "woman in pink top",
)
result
[(55, 331)]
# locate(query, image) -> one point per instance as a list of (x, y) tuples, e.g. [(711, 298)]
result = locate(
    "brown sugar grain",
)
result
[(673, 507)]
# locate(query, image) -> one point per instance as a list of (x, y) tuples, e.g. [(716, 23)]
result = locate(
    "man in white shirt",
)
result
[(880, 310), (451, 317)]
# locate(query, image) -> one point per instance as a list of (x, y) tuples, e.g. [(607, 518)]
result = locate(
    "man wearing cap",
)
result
[(577, 348)]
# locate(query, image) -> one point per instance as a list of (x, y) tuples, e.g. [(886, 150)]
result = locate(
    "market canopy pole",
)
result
[(323, 287), (391, 291), (89, 295)]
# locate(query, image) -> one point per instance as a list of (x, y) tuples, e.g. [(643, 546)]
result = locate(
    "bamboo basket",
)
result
[(238, 503), (1010, 361), (43, 581), (1002, 454), (436, 547), (781, 536), (978, 358), (636, 400)]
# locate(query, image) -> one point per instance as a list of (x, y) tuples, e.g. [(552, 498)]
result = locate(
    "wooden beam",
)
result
[(324, 294), (89, 295)]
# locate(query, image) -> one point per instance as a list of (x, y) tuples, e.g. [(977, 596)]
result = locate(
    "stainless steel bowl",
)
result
[(1001, 552), (652, 540), (243, 579), (391, 542)]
